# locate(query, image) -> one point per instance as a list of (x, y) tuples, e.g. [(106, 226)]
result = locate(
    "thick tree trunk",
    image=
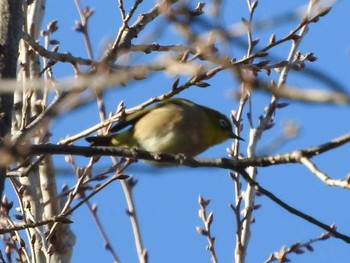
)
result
[(10, 31)]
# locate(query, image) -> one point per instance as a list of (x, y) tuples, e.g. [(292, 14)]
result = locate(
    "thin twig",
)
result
[(107, 243), (125, 36), (207, 221), (264, 124), (26, 226), (297, 248), (322, 176), (83, 27), (141, 251), (68, 210), (331, 229), (259, 188), (55, 56)]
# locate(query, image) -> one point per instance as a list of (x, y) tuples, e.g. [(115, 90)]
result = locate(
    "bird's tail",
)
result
[(99, 140)]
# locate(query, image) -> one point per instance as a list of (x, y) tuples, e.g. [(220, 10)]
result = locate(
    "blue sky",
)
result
[(166, 198)]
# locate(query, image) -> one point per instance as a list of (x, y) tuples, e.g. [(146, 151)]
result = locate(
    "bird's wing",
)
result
[(129, 120), (134, 117)]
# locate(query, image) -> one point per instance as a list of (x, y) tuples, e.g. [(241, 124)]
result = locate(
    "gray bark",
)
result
[(10, 31)]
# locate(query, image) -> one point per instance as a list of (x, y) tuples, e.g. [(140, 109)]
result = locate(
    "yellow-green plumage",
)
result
[(173, 126)]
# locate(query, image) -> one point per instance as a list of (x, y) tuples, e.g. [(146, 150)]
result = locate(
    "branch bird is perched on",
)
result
[(172, 126)]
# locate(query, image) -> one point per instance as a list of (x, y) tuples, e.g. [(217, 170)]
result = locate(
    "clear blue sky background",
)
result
[(166, 199)]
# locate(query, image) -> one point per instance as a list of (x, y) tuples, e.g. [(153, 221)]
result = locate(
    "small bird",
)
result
[(173, 126)]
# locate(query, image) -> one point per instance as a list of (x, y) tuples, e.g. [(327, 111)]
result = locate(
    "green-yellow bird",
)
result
[(172, 126)]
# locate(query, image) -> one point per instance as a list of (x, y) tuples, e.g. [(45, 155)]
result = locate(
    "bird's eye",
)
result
[(223, 123)]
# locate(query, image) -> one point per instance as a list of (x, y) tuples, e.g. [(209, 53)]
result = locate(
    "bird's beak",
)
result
[(236, 137)]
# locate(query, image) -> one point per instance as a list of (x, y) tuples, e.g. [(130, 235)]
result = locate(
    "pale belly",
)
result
[(172, 143)]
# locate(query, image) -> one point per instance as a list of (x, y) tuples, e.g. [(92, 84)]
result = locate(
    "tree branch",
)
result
[(180, 159), (331, 229), (127, 34)]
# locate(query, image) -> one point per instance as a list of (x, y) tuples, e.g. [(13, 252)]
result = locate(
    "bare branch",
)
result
[(127, 186), (59, 219), (297, 248), (322, 176), (207, 221), (331, 229), (126, 35), (56, 56), (307, 95), (262, 161), (107, 244)]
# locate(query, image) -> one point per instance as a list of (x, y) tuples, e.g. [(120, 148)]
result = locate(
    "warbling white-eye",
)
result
[(172, 126)]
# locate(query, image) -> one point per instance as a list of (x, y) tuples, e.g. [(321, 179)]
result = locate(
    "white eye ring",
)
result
[(223, 123)]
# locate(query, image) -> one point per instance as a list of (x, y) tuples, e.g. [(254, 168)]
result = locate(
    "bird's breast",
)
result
[(169, 130)]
